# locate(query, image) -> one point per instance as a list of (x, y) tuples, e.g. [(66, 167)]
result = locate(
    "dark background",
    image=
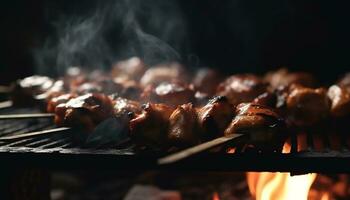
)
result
[(234, 36)]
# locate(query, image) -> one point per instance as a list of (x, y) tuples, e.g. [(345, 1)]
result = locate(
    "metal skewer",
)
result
[(6, 104), (32, 134), (197, 149), (27, 116), (5, 89)]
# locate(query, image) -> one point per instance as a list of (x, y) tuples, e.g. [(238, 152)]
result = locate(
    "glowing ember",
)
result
[(279, 186), (216, 196)]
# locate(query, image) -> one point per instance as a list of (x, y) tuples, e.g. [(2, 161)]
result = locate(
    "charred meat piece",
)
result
[(241, 88), (172, 94), (340, 98), (265, 128), (206, 81), (132, 68), (164, 73), (24, 91), (84, 112), (284, 78), (214, 117), (55, 101), (306, 107), (151, 126), (125, 106), (183, 126)]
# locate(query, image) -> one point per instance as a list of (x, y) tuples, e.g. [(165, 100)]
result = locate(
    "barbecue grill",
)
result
[(58, 150)]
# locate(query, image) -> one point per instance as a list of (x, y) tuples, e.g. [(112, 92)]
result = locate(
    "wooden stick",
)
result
[(27, 116), (36, 133), (6, 104), (197, 149)]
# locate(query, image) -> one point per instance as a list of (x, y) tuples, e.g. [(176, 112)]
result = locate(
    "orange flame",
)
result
[(216, 196), (279, 186)]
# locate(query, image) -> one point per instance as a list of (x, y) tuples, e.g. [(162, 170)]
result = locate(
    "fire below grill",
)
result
[(309, 152)]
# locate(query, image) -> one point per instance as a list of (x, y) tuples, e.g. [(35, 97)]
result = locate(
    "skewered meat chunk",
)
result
[(132, 68), (345, 82), (264, 127), (130, 89), (340, 98), (214, 117), (84, 112), (125, 106), (306, 106), (183, 127), (24, 91), (241, 88), (151, 126), (284, 78), (206, 80), (164, 73), (172, 94), (267, 99), (55, 101)]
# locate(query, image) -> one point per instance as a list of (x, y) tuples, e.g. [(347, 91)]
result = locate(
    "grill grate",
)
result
[(309, 152)]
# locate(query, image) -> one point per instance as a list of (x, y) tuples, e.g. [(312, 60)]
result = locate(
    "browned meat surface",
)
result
[(264, 127), (267, 99), (55, 101), (340, 98), (24, 91), (132, 68), (214, 117), (85, 111), (172, 94), (125, 106), (283, 78), (306, 106), (241, 88), (151, 126), (183, 126), (164, 73), (206, 81), (345, 82), (130, 89)]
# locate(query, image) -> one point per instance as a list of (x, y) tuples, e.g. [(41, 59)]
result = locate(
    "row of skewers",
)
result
[(164, 106)]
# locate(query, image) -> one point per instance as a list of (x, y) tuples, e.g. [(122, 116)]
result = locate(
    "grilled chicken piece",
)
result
[(55, 101), (151, 126), (125, 106), (206, 81), (24, 91), (183, 126), (164, 73), (84, 112), (214, 117), (340, 97), (264, 127), (131, 69), (172, 94), (284, 78), (130, 88), (267, 99), (306, 107), (241, 88)]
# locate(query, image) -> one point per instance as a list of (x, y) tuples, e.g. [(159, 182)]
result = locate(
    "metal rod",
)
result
[(6, 104), (36, 133), (5, 89), (27, 116), (197, 149)]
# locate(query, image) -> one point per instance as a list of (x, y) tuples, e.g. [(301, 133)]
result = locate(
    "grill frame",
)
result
[(58, 151)]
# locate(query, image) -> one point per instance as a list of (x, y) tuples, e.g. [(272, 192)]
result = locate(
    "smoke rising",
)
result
[(153, 30)]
